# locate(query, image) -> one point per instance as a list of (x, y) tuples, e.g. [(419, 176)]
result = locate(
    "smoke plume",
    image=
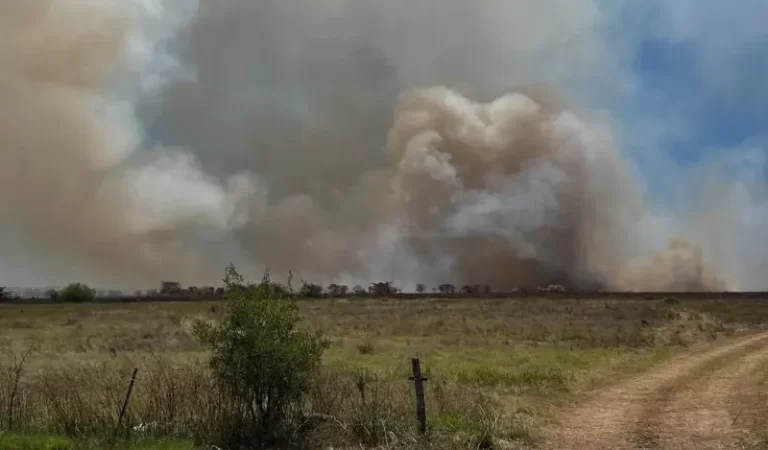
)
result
[(351, 141), (69, 75)]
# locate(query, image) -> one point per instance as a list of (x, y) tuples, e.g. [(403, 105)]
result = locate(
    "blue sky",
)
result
[(672, 87), (700, 76)]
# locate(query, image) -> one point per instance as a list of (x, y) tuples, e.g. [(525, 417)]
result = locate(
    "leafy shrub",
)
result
[(76, 293), (260, 360)]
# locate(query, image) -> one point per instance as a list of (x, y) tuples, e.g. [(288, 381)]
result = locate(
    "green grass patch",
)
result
[(733, 311), (11, 441), (527, 378), (501, 367), (34, 442)]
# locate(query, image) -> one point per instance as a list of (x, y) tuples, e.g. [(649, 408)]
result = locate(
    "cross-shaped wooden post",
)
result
[(421, 409)]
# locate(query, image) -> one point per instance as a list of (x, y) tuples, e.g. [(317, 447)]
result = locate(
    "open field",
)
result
[(503, 373)]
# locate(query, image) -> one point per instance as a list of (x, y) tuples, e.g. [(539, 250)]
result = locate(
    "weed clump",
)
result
[(366, 348)]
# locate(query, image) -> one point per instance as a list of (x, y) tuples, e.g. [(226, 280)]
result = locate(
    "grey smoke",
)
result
[(421, 141)]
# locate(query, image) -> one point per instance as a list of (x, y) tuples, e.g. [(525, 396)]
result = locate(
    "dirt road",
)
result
[(684, 404)]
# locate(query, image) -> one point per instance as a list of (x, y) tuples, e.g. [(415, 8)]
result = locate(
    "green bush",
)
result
[(260, 360), (76, 293)]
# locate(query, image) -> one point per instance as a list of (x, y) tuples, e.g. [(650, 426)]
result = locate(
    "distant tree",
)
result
[(447, 289), (206, 291), (359, 291), (382, 289), (487, 289), (337, 290), (471, 289), (77, 293), (310, 290), (53, 294), (421, 288), (274, 287), (3, 294), (170, 288)]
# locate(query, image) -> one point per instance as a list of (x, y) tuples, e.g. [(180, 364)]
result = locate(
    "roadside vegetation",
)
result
[(266, 370)]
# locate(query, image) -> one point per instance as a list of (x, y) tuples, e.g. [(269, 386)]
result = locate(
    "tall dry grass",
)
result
[(172, 400), (496, 367)]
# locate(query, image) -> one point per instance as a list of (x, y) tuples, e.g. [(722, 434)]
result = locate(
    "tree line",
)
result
[(80, 292), (72, 293)]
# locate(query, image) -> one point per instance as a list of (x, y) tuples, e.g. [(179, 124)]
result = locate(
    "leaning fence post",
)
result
[(421, 409), (127, 399)]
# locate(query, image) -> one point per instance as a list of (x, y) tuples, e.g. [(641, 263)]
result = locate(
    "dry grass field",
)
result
[(502, 372)]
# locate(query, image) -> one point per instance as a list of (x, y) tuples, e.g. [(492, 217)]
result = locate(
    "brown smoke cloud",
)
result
[(64, 134), (679, 268), (527, 196), (326, 137)]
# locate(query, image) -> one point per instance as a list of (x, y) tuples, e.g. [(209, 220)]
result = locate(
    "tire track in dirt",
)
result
[(647, 411), (694, 412)]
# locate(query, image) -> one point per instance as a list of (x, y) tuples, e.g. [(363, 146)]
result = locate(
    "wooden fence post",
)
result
[(127, 399), (421, 409)]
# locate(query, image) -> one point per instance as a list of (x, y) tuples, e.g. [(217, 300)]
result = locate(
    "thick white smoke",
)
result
[(421, 141)]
